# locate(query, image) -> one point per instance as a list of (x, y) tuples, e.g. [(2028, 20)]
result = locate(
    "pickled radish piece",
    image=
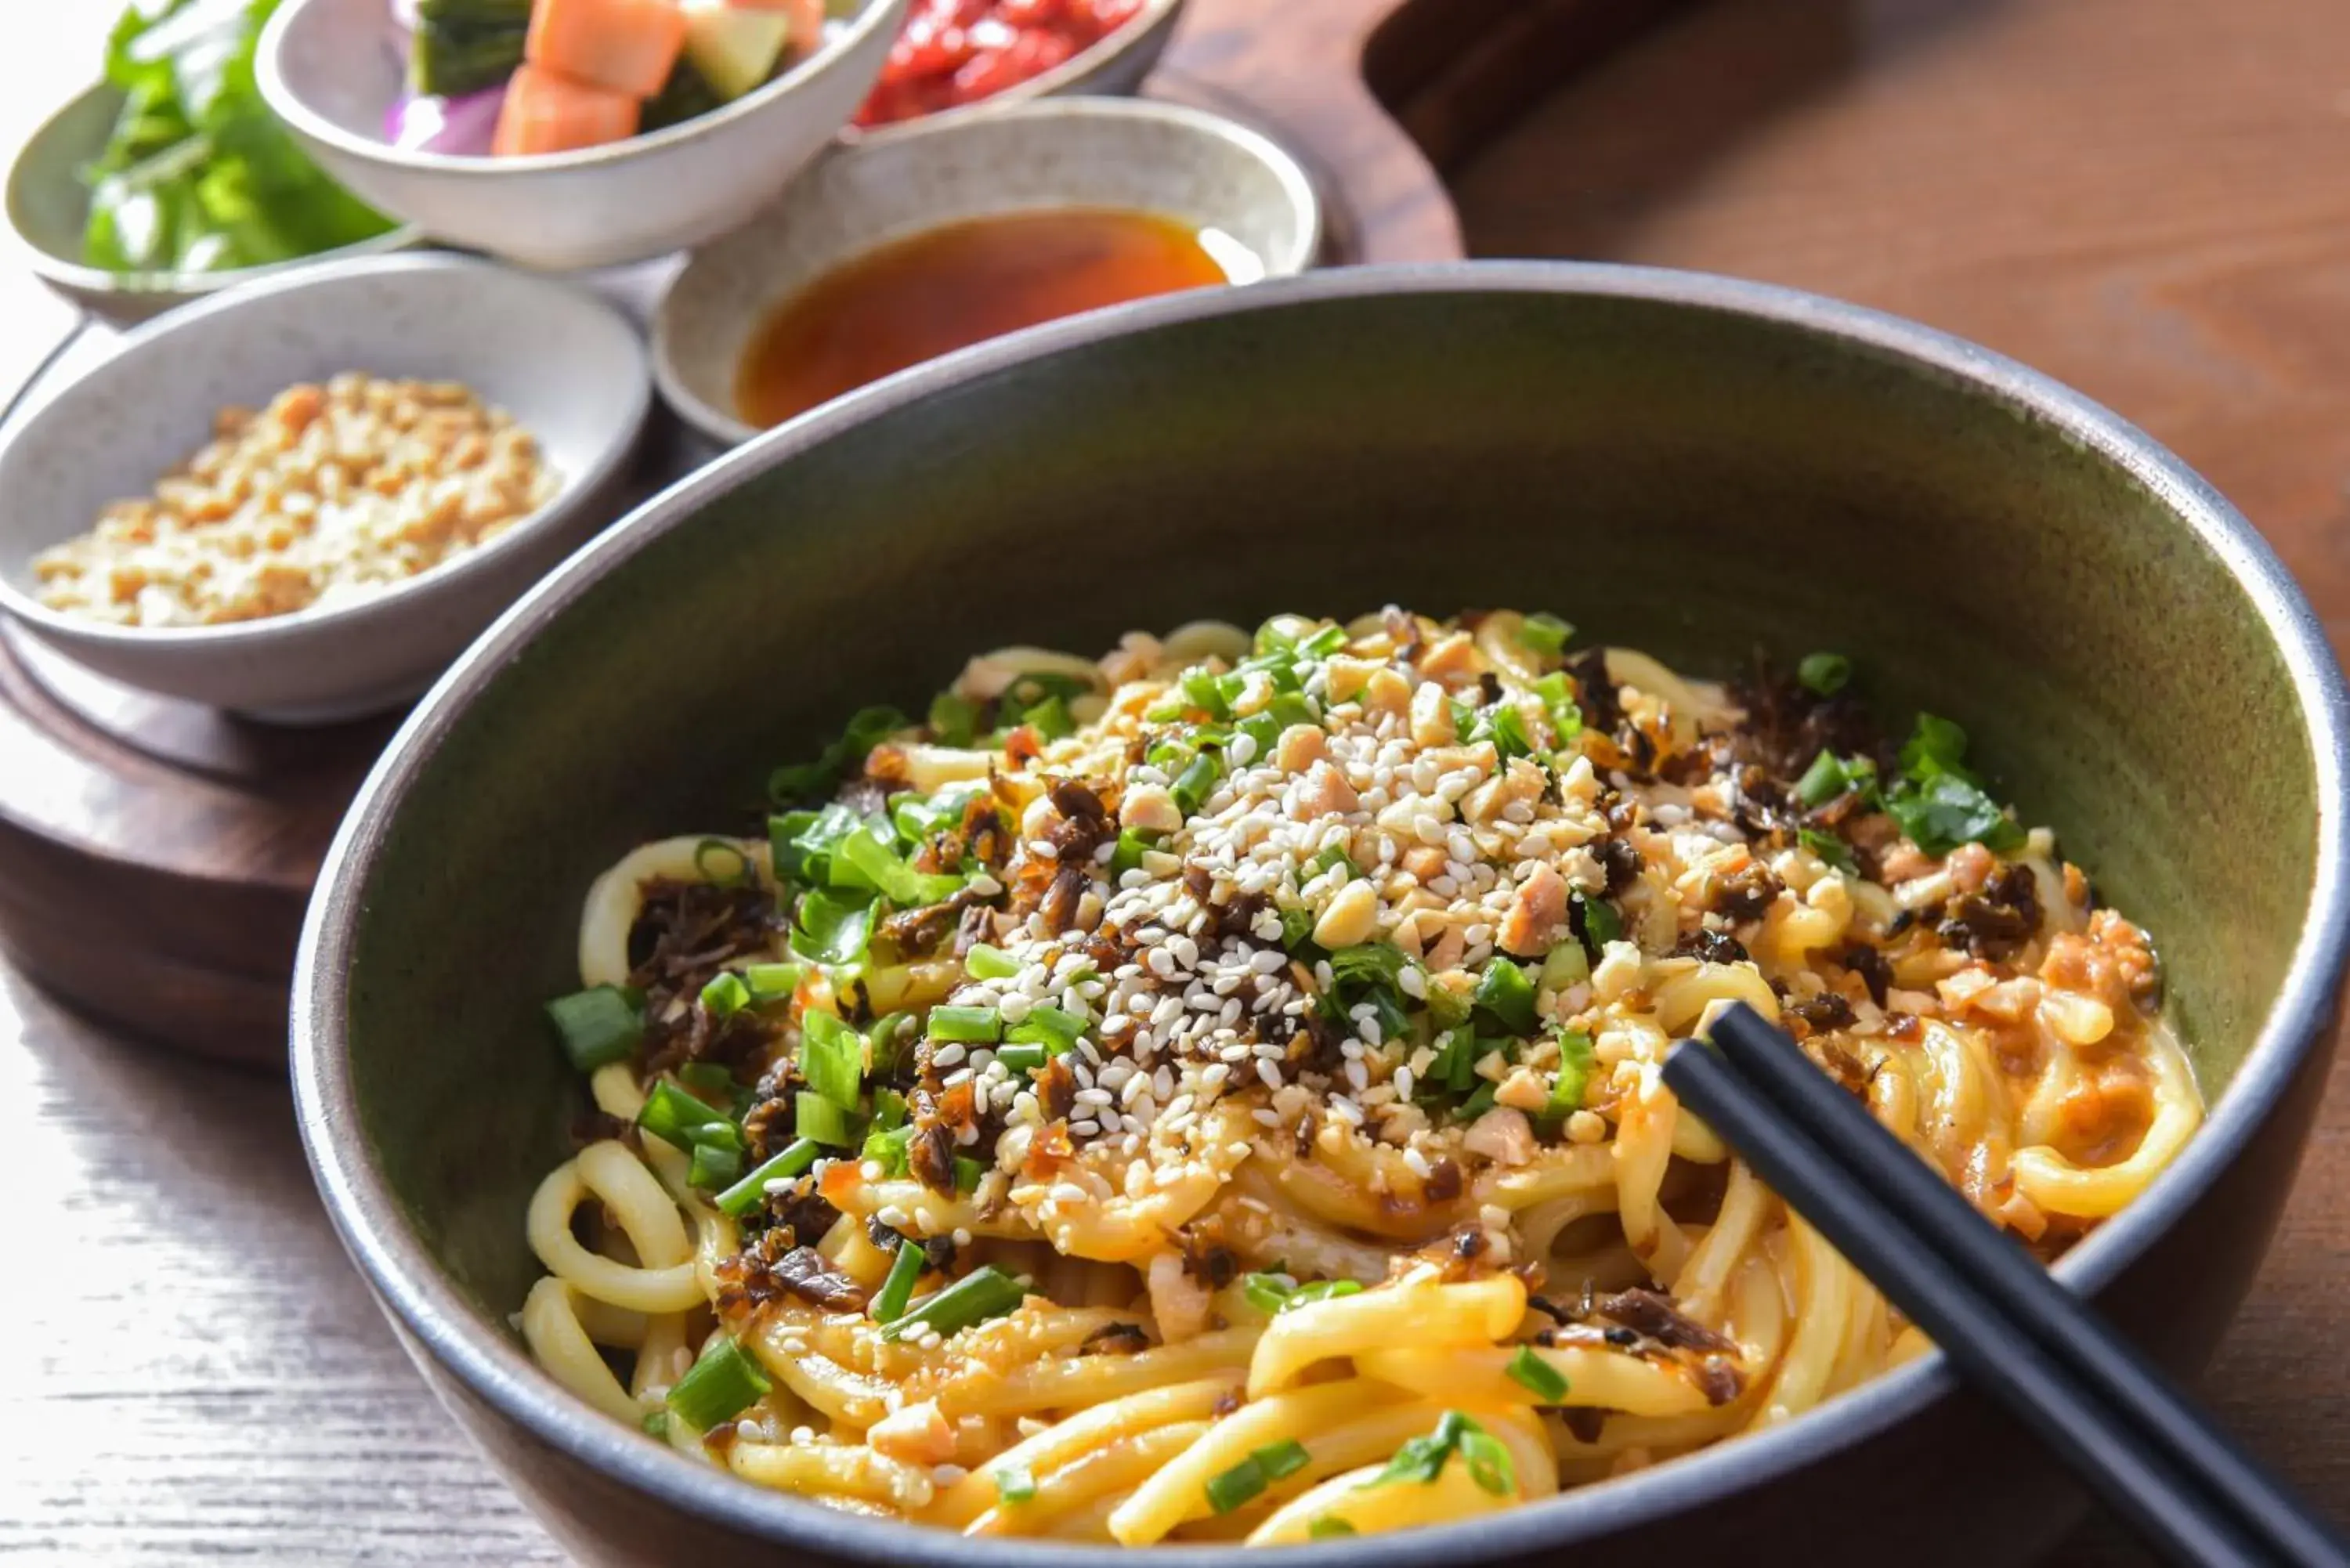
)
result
[(545, 112), (626, 45)]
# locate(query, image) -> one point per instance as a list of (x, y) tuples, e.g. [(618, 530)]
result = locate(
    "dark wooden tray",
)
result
[(155, 857)]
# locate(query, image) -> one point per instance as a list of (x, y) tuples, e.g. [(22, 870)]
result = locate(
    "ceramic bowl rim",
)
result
[(1298, 192), (1067, 77), (412, 1288), (68, 272), (401, 599), (285, 101)]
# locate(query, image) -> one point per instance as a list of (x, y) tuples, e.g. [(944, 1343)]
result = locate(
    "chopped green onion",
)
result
[(1539, 1377), (1829, 848), (1322, 643), (1263, 731), (889, 1149), (1575, 1060), (1236, 1487), (968, 1174), (1560, 707), (832, 1058), (719, 849), (885, 1038), (720, 1386), (1053, 1028), (985, 963), (599, 1026), (1283, 1458), (1455, 1067), (985, 1293), (656, 1423), (1565, 967), (725, 995), (972, 1025), (1488, 1462), (1014, 1484), (1320, 1291), (889, 1109), (1022, 1058), (1204, 689), (1131, 847), (1822, 782), (1477, 1104), (744, 1198), (834, 928), (1825, 673), (1195, 783), (867, 729), (1296, 927), (1329, 1526), (1422, 1460), (954, 719), (1331, 858), (1267, 1293), (1051, 719), (1504, 991), (714, 1081), (1544, 633), (1290, 710), (1504, 726), (677, 1119), (714, 1166), (773, 981), (889, 1301), (873, 855), (818, 1118), (1600, 922)]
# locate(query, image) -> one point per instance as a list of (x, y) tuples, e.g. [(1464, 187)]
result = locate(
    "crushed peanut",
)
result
[(328, 494)]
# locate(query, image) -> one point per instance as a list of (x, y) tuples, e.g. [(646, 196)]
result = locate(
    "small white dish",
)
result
[(1199, 169), (323, 68), (48, 208), (567, 366), (1112, 67)]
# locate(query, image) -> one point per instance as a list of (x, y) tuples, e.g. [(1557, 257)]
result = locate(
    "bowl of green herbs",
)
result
[(171, 179)]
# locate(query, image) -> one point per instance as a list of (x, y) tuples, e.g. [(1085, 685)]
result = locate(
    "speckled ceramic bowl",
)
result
[(322, 67), (1690, 465), (565, 365), (1115, 66), (48, 208), (1054, 153)]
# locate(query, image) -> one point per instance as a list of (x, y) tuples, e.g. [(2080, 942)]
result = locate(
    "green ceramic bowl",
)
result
[(1688, 465)]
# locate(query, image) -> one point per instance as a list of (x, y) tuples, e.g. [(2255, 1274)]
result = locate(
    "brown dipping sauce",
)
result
[(948, 288)]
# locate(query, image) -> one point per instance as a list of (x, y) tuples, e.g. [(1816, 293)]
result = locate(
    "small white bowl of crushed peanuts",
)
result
[(299, 501)]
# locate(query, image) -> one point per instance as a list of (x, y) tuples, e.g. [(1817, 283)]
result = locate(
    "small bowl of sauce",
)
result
[(895, 252)]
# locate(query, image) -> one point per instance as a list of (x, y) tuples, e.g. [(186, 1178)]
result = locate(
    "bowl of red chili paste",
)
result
[(960, 56)]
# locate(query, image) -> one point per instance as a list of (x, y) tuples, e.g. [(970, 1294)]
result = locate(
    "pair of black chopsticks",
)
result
[(2119, 1424)]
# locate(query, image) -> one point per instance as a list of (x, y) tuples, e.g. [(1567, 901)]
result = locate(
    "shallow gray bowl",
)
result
[(569, 368), (1686, 463), (1220, 178), (48, 207)]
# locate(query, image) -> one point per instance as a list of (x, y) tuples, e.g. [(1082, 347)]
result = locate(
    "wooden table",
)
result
[(2148, 198)]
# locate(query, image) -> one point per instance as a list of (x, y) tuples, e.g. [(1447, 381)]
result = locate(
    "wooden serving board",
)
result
[(156, 858)]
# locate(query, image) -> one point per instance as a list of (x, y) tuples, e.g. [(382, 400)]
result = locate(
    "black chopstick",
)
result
[(2142, 1447), (2108, 1364)]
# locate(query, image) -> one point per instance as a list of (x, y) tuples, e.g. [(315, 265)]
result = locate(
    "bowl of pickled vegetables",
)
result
[(570, 134)]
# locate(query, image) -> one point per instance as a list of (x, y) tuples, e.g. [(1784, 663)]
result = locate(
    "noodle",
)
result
[(1212, 1093)]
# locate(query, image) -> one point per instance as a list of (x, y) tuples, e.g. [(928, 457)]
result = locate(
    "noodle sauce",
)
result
[(951, 287)]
